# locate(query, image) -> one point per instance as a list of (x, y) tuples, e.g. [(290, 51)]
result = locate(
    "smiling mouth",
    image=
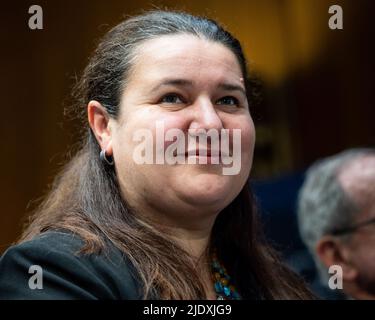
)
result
[(200, 152), (206, 153)]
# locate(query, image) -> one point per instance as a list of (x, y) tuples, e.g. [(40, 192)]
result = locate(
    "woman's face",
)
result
[(187, 83)]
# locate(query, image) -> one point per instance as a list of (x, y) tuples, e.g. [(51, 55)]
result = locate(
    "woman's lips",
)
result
[(206, 152), (205, 156), (202, 153)]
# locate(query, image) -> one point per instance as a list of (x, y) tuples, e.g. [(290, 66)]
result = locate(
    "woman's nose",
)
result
[(205, 116)]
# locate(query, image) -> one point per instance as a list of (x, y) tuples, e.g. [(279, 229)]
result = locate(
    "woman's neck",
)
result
[(196, 243), (193, 236), (192, 233)]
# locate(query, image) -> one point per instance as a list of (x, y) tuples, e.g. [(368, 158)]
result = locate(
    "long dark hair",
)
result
[(85, 197)]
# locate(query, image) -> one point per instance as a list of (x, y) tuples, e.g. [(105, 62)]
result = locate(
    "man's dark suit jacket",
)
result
[(65, 274)]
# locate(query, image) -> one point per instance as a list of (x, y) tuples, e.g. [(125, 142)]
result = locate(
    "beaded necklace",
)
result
[(223, 288)]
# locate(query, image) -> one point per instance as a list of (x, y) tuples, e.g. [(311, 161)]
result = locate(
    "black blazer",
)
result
[(65, 274)]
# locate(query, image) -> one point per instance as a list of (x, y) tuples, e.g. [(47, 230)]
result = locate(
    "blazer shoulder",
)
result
[(50, 266), (48, 242)]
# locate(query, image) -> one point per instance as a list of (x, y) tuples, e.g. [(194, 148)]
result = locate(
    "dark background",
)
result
[(318, 87)]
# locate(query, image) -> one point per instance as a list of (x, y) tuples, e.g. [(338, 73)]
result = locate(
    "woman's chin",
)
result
[(207, 190)]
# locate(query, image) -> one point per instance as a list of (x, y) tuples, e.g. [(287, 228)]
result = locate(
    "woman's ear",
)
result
[(331, 251), (99, 121)]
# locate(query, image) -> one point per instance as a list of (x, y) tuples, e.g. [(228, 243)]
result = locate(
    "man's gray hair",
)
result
[(323, 205)]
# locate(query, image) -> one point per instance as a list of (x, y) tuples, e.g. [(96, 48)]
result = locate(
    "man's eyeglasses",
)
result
[(339, 232)]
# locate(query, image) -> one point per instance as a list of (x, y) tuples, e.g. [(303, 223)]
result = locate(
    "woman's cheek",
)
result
[(169, 123), (248, 137)]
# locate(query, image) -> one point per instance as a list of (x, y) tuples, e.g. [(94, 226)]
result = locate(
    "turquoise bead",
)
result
[(218, 286), (226, 291)]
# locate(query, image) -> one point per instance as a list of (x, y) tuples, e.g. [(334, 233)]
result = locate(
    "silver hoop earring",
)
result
[(103, 157)]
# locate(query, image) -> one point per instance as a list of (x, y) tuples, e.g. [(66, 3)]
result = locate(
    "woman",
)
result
[(114, 227)]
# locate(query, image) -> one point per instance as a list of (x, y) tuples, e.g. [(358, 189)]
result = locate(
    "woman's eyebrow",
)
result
[(180, 82), (173, 82), (232, 87)]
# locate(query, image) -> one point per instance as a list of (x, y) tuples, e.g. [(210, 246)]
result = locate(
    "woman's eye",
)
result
[(171, 98), (229, 101)]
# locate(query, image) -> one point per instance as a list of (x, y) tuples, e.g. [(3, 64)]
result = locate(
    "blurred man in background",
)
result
[(336, 213)]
